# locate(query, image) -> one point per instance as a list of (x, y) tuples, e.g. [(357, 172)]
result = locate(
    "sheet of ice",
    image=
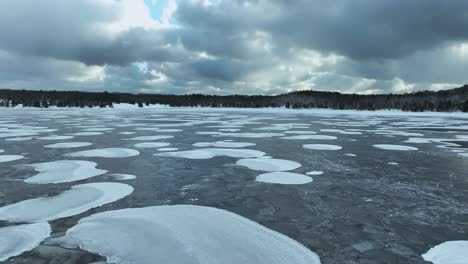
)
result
[(149, 138), (7, 158), (262, 164), (64, 171), (152, 144), (314, 173), (395, 147), (168, 130), (127, 133), (55, 137), (350, 155), (300, 132), (451, 252), (319, 137), (87, 133), (183, 234), (283, 178), (79, 199), (105, 153), (341, 131), (249, 135), (69, 145), (322, 147), (208, 153), (122, 177), (95, 129), (15, 240), (18, 139), (224, 144), (167, 149), (392, 163)]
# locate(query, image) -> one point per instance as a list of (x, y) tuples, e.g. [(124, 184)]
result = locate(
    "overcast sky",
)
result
[(233, 46)]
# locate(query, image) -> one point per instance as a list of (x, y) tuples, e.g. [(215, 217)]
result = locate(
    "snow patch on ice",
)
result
[(64, 171)]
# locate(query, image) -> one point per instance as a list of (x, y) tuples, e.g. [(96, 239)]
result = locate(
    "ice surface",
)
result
[(167, 149), (152, 144), (18, 139), (64, 171), (314, 173), (7, 158), (105, 153), (69, 145), (395, 147), (149, 138), (78, 199), (122, 177), (262, 164), (87, 133), (183, 234), (319, 137), (15, 240), (224, 144), (208, 153), (451, 252), (322, 147), (55, 137), (249, 135), (283, 178)]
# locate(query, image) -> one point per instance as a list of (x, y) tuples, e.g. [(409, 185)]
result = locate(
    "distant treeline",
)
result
[(441, 101)]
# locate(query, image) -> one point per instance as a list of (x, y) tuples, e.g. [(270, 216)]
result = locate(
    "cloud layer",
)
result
[(235, 46)]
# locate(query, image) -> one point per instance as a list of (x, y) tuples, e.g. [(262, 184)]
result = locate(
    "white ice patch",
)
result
[(105, 153), (319, 137), (79, 199), (7, 158), (322, 147), (341, 131), (64, 171), (283, 178), (395, 147), (250, 135), (122, 177), (69, 145), (152, 144), (224, 144), (149, 138), (183, 234), (18, 139), (167, 149), (451, 252), (87, 133), (314, 173), (55, 137), (15, 240), (262, 164), (127, 133), (350, 155), (208, 153)]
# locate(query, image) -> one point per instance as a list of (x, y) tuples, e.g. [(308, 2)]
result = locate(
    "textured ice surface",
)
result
[(15, 240), (64, 171), (224, 144), (183, 234), (78, 199), (395, 147), (322, 147), (262, 164), (69, 145), (6, 158), (319, 137), (451, 252), (152, 144), (105, 153), (208, 153), (283, 178), (149, 138)]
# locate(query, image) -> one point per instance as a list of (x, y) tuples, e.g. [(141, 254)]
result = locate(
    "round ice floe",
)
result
[(64, 171), (183, 234), (321, 147), (87, 133), (122, 177), (283, 178), (15, 240), (105, 153), (224, 144), (55, 137), (149, 138), (314, 173), (451, 252), (79, 199), (395, 147), (318, 137), (69, 145), (262, 164), (7, 158), (208, 153), (152, 144)]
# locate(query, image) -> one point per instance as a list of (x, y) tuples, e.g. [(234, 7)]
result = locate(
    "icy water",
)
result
[(349, 187)]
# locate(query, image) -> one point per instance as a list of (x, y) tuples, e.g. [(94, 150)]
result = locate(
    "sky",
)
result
[(234, 46)]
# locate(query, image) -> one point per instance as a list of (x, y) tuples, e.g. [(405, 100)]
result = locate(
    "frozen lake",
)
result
[(292, 186)]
